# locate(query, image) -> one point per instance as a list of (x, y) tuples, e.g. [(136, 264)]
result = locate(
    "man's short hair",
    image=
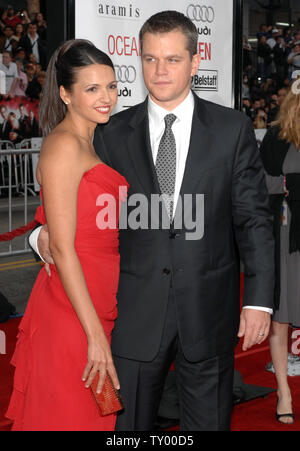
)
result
[(7, 52), (166, 21)]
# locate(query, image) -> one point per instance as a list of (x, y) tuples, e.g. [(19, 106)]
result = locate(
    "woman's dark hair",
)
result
[(166, 21), (62, 71)]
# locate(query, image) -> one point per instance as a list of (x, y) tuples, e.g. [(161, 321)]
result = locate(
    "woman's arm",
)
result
[(61, 168)]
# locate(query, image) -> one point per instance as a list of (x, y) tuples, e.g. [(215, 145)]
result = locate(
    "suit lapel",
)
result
[(200, 148), (139, 148)]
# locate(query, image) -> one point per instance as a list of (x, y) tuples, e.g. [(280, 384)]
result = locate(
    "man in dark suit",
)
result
[(5, 126), (23, 118), (31, 43), (178, 296)]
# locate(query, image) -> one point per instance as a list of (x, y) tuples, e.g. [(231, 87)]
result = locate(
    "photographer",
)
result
[(11, 18)]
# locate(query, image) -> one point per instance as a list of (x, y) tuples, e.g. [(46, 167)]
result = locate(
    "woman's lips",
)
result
[(103, 109)]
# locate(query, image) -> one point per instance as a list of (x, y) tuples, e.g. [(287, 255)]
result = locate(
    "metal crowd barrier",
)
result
[(17, 180), (4, 181)]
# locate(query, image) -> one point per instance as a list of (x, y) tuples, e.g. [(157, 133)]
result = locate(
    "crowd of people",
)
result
[(268, 70), (23, 61)]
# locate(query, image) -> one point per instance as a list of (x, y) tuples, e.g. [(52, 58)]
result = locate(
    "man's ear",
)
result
[(195, 63)]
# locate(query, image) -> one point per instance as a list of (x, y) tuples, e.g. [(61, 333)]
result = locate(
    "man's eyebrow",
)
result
[(167, 56)]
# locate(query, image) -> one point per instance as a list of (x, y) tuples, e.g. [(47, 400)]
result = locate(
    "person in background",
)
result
[(281, 95), (25, 19), (30, 72), (273, 111), (247, 58), (23, 121), (280, 55), (5, 126), (35, 87), (272, 40), (32, 44), (245, 87), (11, 73), (14, 135), (19, 32), (8, 42), (2, 21), (19, 88), (41, 26), (32, 126), (293, 59), (11, 18), (20, 53), (260, 121), (264, 58), (280, 152)]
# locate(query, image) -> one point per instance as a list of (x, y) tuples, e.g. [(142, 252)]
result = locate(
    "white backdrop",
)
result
[(113, 26)]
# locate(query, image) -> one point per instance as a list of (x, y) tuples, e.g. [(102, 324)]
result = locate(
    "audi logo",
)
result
[(200, 13), (125, 74)]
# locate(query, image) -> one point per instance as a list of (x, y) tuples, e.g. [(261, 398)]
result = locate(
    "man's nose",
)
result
[(161, 68)]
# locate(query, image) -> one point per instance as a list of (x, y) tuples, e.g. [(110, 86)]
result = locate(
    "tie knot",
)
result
[(169, 120)]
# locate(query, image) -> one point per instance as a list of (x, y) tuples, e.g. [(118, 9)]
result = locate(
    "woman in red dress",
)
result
[(64, 336)]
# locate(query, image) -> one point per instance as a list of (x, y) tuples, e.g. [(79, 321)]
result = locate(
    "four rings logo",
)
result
[(125, 74), (201, 13)]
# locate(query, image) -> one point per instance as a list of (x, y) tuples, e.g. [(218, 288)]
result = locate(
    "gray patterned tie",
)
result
[(166, 164)]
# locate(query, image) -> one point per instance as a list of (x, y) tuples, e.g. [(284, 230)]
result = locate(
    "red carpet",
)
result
[(259, 414), (255, 415), (7, 370)]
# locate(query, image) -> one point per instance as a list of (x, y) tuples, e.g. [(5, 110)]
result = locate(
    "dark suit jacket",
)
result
[(223, 163), (25, 43), (5, 129)]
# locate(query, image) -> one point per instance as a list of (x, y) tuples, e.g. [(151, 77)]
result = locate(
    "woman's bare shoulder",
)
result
[(60, 147), (61, 142)]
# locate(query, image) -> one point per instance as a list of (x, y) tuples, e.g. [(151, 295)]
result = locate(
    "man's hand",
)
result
[(254, 327), (44, 250)]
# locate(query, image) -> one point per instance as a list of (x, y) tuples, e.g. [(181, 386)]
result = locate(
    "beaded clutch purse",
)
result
[(109, 400)]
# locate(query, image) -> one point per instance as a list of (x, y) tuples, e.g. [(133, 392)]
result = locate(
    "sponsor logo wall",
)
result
[(114, 25)]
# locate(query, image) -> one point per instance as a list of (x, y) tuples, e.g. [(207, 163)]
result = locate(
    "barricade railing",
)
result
[(17, 175)]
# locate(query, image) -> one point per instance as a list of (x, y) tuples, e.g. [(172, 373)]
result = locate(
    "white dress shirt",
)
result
[(35, 48), (182, 131), (11, 72)]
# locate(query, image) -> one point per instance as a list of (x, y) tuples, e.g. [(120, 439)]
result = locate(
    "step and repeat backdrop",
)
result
[(113, 26)]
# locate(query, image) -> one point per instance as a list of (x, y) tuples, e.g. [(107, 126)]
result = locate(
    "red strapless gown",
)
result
[(51, 351)]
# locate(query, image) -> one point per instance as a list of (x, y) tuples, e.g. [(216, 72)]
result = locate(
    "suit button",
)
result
[(166, 271), (173, 235)]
